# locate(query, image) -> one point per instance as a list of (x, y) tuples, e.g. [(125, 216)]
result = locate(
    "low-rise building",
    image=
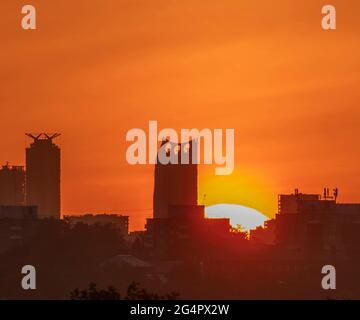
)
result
[(16, 224), (118, 221), (315, 222)]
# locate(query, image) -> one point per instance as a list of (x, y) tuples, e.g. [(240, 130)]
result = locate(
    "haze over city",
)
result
[(265, 69)]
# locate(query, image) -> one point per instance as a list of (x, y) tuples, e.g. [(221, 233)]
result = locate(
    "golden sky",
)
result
[(95, 69)]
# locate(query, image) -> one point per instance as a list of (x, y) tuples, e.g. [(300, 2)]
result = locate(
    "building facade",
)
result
[(12, 185), (43, 175)]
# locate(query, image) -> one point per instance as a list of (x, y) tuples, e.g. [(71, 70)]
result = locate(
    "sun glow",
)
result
[(245, 217), (242, 188)]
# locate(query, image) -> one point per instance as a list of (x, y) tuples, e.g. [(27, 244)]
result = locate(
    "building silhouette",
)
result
[(175, 184), (17, 224), (264, 234), (315, 222), (18, 212), (12, 185), (184, 233), (179, 226), (43, 175)]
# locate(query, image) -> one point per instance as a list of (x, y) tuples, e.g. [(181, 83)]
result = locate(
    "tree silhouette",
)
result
[(92, 293), (240, 232), (134, 292)]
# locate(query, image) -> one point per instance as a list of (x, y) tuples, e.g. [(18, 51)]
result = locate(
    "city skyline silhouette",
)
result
[(309, 232)]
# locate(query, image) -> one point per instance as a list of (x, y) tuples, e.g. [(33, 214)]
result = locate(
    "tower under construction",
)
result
[(175, 184)]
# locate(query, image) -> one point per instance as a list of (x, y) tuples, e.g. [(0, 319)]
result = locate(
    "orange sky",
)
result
[(95, 69)]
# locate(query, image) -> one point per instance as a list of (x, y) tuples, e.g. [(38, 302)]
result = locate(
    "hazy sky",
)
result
[(95, 69)]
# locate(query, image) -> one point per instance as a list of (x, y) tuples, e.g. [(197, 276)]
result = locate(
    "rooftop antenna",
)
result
[(335, 193)]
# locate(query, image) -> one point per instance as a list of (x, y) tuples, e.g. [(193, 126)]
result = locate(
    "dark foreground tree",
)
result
[(134, 292), (92, 293)]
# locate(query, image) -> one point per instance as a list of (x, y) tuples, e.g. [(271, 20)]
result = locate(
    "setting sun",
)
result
[(240, 216), (243, 187)]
